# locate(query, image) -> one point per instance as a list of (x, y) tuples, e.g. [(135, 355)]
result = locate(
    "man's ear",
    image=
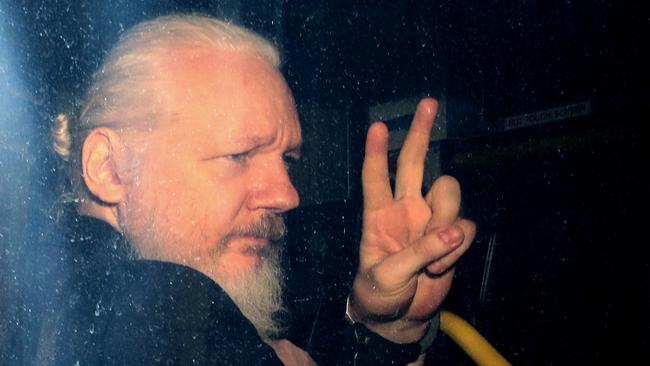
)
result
[(99, 165)]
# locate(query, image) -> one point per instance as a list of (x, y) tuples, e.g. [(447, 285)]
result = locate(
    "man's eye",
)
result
[(238, 157)]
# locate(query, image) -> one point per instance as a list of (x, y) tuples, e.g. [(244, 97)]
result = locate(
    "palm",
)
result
[(388, 231), (404, 262)]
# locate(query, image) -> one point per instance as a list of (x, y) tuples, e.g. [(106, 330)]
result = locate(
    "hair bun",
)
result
[(61, 136)]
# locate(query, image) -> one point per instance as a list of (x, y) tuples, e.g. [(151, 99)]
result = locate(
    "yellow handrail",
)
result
[(470, 340)]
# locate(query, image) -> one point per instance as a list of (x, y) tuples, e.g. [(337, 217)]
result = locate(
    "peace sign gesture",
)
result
[(409, 243)]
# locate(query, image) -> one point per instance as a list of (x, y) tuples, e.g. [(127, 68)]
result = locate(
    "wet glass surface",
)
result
[(545, 125)]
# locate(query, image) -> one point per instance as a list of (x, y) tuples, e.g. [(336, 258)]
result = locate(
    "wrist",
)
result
[(400, 331)]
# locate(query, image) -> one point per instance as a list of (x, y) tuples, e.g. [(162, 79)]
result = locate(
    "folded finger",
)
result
[(446, 262), (444, 198)]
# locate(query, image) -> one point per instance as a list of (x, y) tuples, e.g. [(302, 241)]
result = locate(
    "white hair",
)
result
[(123, 82)]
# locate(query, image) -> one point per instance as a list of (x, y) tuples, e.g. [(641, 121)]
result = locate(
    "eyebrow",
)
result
[(251, 140), (256, 141)]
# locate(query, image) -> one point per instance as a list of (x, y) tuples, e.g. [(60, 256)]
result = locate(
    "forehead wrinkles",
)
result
[(237, 76), (277, 102)]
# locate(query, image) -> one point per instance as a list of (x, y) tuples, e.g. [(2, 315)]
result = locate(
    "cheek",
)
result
[(202, 216), (186, 209), (201, 208)]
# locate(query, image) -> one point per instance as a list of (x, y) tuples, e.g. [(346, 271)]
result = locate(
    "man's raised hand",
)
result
[(409, 242)]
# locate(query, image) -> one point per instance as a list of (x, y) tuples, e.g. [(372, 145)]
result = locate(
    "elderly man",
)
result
[(177, 161)]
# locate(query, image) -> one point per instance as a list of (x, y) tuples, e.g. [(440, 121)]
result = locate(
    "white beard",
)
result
[(258, 293)]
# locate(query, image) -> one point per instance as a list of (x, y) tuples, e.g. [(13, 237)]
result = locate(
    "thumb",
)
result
[(399, 268)]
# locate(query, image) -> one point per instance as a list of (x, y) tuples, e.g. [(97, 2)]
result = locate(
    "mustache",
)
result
[(270, 227)]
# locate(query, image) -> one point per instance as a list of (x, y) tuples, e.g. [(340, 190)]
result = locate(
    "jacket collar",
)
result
[(96, 242)]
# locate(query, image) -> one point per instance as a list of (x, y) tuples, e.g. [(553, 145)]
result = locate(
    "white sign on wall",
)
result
[(548, 115)]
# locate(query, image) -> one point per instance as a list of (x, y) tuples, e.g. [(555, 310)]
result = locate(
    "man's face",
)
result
[(211, 180)]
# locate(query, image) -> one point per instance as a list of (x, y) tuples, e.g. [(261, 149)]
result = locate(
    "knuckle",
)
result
[(447, 181), (424, 248), (469, 228), (437, 268)]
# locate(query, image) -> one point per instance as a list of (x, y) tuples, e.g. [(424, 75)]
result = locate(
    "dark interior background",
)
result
[(559, 273)]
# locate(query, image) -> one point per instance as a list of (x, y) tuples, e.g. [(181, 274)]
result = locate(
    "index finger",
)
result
[(374, 173)]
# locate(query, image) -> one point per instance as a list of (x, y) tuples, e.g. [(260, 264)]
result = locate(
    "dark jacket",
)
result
[(117, 311), (113, 310)]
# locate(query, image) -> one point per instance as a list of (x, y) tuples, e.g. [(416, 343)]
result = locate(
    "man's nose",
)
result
[(273, 190)]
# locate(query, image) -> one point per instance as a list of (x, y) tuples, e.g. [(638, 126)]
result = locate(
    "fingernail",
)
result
[(450, 237)]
